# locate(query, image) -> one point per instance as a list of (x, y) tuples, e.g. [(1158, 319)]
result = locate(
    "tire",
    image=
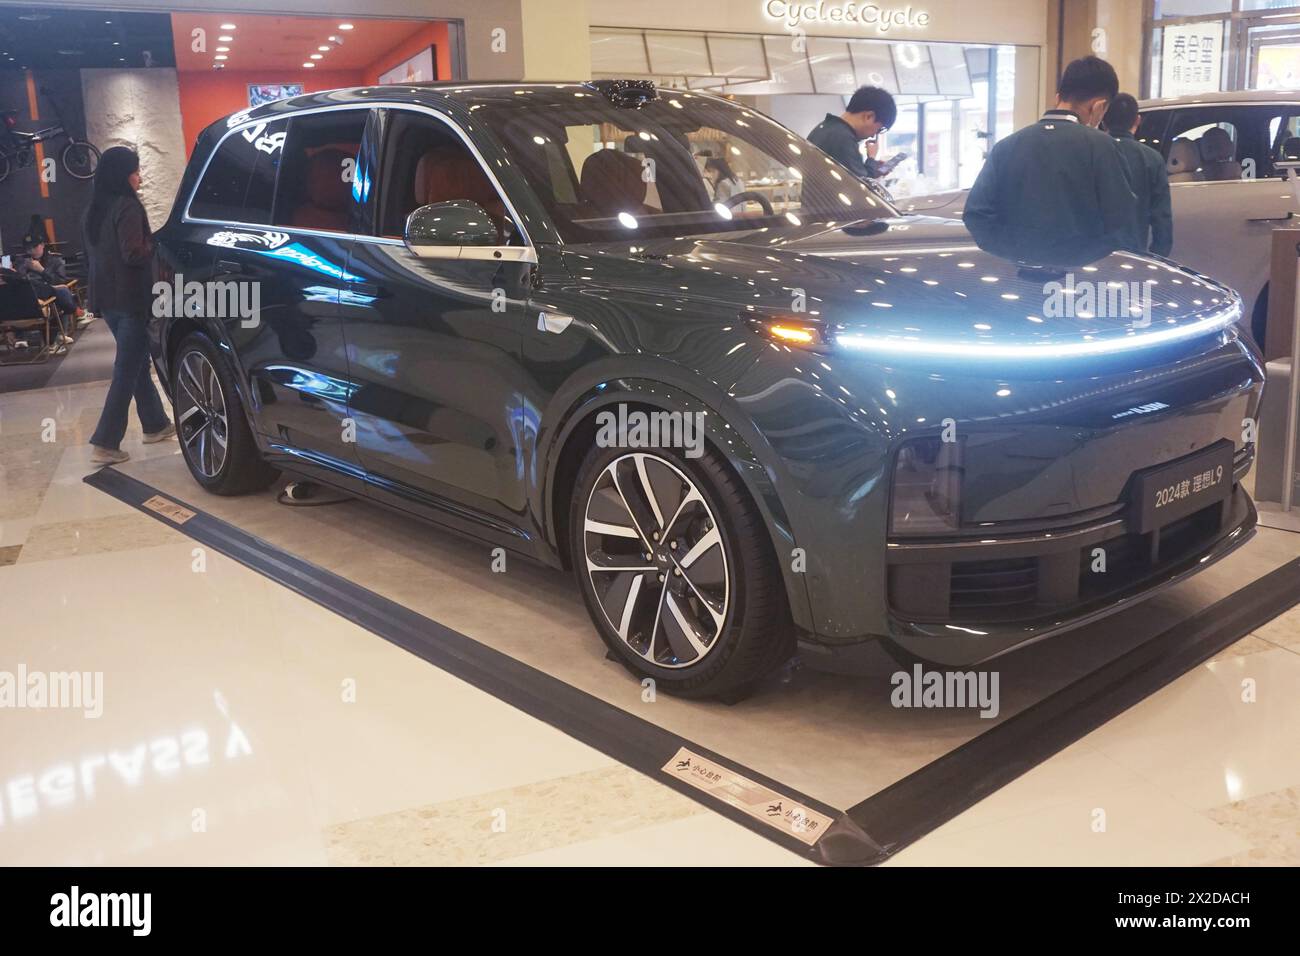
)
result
[(208, 410), (4, 168), (642, 623), (1259, 318), (80, 159)]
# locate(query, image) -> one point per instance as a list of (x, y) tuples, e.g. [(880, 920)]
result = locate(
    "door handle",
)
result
[(1287, 218), (226, 267), (369, 289), (554, 322)]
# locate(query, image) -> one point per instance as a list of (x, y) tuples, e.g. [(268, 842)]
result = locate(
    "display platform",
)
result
[(823, 764)]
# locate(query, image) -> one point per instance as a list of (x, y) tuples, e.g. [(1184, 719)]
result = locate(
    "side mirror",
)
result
[(441, 229)]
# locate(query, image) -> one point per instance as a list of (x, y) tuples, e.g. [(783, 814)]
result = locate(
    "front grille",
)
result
[(1025, 588), (986, 585)]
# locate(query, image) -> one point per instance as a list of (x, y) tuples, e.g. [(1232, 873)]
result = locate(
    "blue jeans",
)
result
[(130, 380)]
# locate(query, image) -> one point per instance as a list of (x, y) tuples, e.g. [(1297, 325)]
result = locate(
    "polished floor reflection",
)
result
[(242, 723)]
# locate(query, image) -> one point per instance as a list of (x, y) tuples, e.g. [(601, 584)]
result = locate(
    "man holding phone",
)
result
[(870, 112)]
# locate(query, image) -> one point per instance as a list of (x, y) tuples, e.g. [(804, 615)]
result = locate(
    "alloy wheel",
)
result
[(656, 560), (202, 419)]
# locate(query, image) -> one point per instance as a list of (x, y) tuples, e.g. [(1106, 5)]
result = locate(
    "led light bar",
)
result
[(977, 350)]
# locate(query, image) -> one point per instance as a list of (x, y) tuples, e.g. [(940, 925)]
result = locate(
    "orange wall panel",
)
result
[(431, 34), (206, 97)]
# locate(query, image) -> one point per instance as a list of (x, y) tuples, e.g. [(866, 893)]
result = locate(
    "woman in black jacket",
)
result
[(119, 247)]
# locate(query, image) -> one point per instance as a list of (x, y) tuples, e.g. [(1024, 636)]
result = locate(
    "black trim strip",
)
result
[(629, 739), (907, 810), (869, 832)]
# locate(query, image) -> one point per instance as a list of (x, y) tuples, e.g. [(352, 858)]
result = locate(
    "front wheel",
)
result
[(214, 435), (80, 159), (677, 571)]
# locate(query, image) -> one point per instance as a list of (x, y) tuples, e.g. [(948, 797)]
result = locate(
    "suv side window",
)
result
[(1225, 141), (240, 178), (1152, 130), (425, 161), (318, 172)]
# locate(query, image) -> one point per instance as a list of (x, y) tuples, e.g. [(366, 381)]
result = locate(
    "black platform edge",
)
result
[(631, 740), (869, 832), (917, 804)]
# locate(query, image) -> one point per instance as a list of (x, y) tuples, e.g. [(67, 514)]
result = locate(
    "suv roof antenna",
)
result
[(631, 94)]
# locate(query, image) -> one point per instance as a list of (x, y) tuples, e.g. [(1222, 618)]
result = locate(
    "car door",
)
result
[(1226, 210), (291, 248), (434, 343)]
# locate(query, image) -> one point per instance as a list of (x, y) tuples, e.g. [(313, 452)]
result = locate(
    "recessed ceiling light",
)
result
[(227, 26), (223, 49), (220, 57), (316, 56), (309, 66), (335, 39), (323, 49), (225, 39), (345, 26)]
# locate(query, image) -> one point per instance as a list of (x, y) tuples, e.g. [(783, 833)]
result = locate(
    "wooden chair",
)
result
[(21, 312)]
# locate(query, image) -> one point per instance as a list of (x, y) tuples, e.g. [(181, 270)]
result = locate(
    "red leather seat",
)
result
[(449, 173), (611, 183), (326, 193)]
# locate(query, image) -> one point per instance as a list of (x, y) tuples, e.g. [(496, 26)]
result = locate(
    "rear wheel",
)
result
[(677, 572), (214, 435), (80, 159)]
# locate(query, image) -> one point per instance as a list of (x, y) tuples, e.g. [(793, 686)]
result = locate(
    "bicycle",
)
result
[(79, 158)]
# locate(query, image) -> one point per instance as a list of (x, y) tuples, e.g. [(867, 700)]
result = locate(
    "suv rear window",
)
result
[(239, 182)]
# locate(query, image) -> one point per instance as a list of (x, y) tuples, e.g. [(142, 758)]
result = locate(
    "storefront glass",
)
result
[(1203, 46)]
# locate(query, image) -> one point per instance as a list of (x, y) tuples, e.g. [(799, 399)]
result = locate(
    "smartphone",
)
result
[(6, 262)]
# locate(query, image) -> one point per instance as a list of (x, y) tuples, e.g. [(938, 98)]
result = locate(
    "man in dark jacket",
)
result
[(1153, 218), (1057, 192), (870, 112)]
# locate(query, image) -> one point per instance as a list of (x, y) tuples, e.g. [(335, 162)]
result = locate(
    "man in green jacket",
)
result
[(1057, 191), (1153, 218), (869, 113)]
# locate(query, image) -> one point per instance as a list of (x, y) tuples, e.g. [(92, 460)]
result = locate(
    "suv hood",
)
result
[(918, 283)]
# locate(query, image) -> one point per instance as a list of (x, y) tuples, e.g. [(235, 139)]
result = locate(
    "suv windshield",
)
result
[(680, 164)]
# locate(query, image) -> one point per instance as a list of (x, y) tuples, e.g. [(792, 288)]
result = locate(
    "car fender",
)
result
[(666, 386)]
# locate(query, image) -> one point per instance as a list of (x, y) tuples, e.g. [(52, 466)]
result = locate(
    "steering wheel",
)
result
[(750, 196)]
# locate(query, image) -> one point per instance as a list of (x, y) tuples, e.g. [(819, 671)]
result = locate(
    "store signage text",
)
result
[(882, 19)]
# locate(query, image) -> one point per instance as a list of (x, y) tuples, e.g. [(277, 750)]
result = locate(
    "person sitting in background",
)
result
[(1148, 177), (51, 281), (721, 179)]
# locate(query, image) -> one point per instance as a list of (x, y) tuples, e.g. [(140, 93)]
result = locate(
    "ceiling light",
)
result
[(309, 66), (223, 49), (316, 56), (221, 56), (345, 26), (227, 26), (225, 39), (323, 49)]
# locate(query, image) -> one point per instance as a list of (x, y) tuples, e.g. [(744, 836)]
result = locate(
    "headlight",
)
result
[(927, 487)]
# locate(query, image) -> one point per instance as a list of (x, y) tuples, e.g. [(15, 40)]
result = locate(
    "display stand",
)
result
[(1275, 480)]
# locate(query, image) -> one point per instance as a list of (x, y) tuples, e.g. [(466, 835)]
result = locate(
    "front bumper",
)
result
[(961, 601)]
